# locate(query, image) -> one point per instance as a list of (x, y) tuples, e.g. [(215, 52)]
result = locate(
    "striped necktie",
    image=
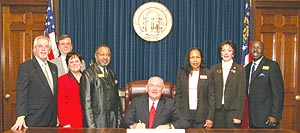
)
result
[(48, 77)]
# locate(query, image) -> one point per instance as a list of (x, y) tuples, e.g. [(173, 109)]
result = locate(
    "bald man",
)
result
[(166, 116)]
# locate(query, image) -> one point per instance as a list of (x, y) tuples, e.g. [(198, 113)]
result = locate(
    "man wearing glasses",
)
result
[(99, 93)]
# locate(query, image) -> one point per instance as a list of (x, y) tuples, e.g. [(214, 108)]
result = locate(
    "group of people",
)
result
[(62, 92)]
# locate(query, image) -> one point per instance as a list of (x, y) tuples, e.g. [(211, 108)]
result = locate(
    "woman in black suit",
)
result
[(230, 87), (195, 96)]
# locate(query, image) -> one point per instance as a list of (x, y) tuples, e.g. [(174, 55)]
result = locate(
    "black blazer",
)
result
[(100, 98), (266, 92), (235, 87), (35, 100), (166, 112), (206, 95)]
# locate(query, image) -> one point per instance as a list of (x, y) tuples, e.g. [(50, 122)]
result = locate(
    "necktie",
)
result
[(251, 76), (48, 77), (151, 115), (105, 73), (252, 70)]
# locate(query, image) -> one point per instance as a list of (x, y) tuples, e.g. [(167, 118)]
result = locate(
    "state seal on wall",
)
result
[(152, 21)]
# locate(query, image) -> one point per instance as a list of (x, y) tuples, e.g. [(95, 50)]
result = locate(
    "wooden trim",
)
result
[(56, 10), (23, 2), (1, 70), (277, 4)]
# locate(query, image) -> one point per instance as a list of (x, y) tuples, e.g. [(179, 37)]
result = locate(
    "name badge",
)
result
[(203, 76), (265, 67), (100, 75)]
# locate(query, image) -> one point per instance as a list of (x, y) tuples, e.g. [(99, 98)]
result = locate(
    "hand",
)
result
[(19, 124), (272, 122), (208, 123), (67, 126), (139, 125), (236, 121), (20, 131), (165, 126), (57, 122)]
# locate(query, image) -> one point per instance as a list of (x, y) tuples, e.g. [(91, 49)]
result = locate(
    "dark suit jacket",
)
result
[(100, 98), (235, 87), (266, 92), (166, 112), (35, 100), (206, 95)]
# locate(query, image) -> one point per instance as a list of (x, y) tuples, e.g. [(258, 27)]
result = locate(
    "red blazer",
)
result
[(68, 101)]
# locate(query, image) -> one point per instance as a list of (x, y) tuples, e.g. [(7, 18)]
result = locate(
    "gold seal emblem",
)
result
[(152, 21)]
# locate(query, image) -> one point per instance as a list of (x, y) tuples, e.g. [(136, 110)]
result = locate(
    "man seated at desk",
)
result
[(153, 110)]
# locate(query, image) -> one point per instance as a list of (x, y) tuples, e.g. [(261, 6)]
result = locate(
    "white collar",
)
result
[(258, 61), (42, 63)]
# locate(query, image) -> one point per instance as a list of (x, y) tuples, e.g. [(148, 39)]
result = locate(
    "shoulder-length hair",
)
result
[(187, 65)]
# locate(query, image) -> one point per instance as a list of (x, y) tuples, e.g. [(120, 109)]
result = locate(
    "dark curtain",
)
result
[(196, 23)]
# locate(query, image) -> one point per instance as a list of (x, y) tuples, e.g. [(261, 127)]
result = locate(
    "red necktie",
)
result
[(151, 115)]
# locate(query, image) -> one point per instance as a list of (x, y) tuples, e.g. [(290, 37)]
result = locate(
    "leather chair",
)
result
[(138, 88)]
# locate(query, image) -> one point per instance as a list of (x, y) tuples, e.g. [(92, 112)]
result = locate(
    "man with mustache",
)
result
[(37, 89), (99, 93)]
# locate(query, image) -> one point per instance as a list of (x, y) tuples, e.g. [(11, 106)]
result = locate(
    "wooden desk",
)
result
[(122, 130), (232, 130), (68, 130)]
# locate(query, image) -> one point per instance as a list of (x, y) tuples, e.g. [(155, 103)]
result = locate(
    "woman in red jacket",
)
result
[(68, 99)]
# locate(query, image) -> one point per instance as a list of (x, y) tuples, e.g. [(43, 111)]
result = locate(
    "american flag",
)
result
[(50, 30), (246, 57), (247, 34)]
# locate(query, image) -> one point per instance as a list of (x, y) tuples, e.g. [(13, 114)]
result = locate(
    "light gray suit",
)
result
[(59, 63)]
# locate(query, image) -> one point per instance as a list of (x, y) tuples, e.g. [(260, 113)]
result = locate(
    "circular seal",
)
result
[(152, 21)]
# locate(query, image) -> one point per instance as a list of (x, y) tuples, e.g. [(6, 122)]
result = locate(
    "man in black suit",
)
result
[(166, 116), (265, 89), (37, 89)]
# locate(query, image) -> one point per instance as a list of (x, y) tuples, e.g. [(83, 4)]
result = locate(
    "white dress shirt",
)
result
[(226, 66), (193, 84)]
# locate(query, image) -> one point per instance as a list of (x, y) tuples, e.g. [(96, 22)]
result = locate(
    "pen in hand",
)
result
[(140, 125)]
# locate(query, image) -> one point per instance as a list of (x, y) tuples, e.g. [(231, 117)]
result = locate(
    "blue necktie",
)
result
[(252, 70), (251, 76)]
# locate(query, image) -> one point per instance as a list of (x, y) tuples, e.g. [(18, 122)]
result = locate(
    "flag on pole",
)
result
[(246, 57), (50, 30), (247, 34)]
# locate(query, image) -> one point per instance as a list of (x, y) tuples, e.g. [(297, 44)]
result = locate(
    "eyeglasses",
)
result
[(155, 86), (103, 54), (40, 46)]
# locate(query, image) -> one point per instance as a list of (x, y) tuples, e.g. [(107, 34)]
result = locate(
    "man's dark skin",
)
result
[(257, 51)]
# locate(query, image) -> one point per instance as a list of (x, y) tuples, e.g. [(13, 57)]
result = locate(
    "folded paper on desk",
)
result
[(155, 130)]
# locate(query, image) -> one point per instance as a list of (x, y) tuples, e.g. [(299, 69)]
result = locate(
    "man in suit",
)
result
[(37, 89), (166, 115), (265, 89), (65, 46), (99, 93)]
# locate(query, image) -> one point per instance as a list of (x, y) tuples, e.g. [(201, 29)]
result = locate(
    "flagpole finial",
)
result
[(91, 63)]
